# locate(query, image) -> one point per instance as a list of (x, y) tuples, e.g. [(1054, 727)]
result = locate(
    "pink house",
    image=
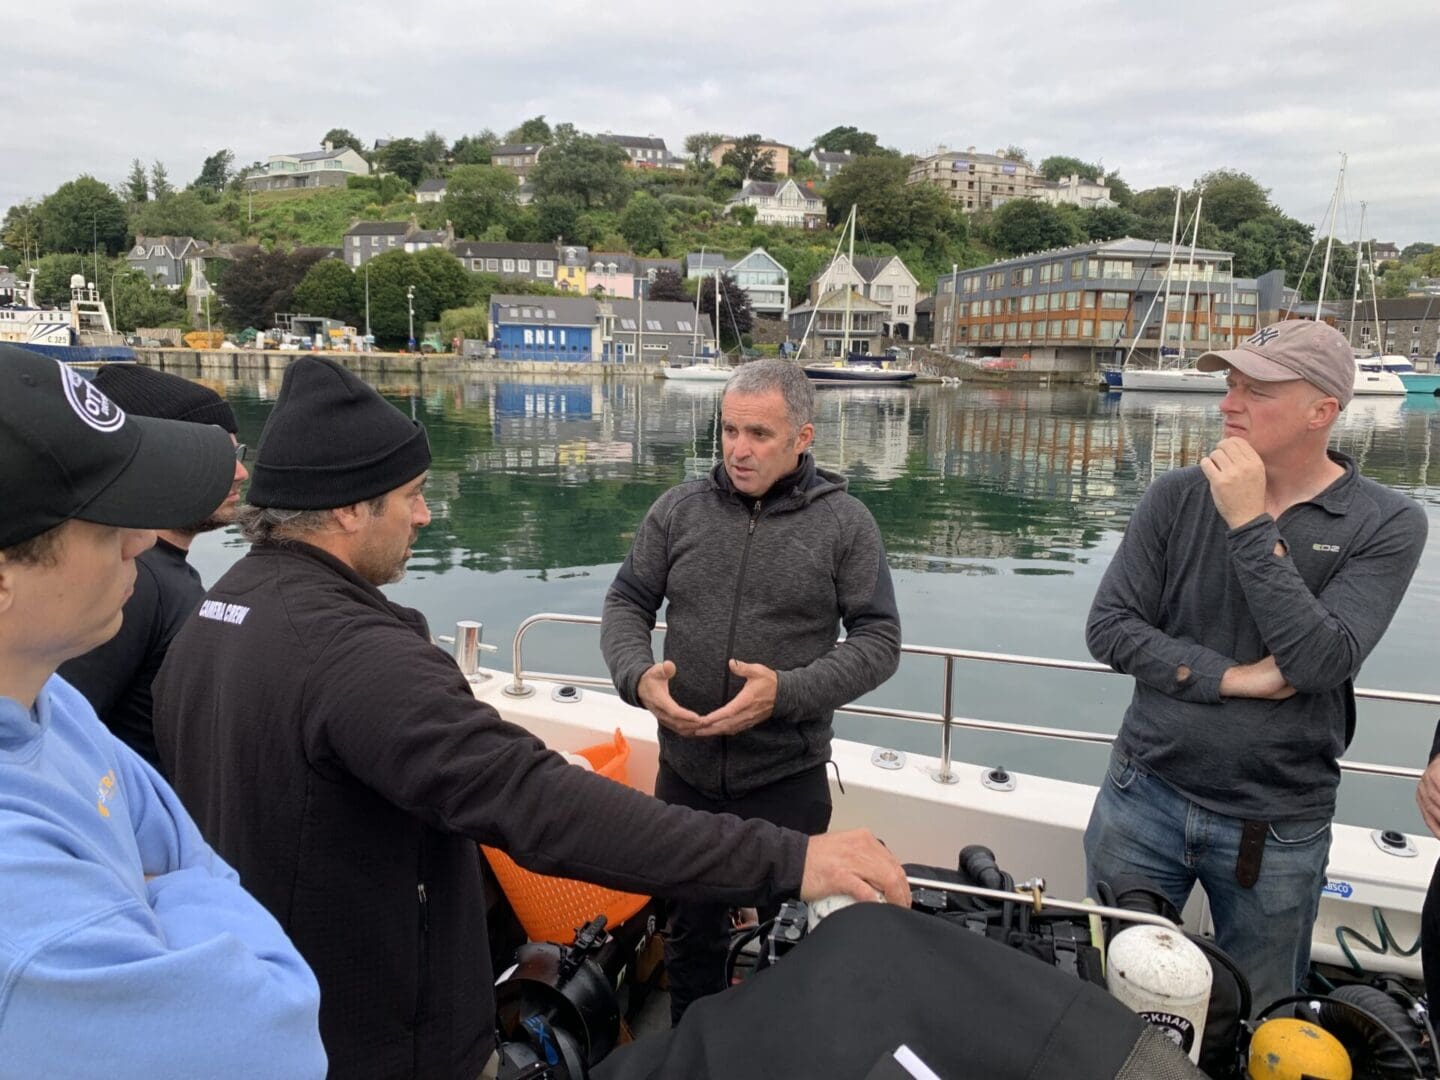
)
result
[(614, 274)]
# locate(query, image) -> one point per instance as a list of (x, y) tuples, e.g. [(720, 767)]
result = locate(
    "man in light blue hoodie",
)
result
[(127, 947)]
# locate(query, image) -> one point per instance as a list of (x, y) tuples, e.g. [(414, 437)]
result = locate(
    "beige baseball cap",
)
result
[(1294, 349)]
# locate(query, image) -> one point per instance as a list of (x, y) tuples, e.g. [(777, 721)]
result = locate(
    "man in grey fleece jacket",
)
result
[(1246, 594), (760, 563)]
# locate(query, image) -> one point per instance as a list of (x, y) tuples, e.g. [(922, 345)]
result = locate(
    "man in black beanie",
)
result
[(340, 761), (116, 677)]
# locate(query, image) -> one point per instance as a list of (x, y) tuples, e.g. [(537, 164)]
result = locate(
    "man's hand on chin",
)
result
[(1237, 481)]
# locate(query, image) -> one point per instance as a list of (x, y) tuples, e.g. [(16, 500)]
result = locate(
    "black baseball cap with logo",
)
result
[(68, 451)]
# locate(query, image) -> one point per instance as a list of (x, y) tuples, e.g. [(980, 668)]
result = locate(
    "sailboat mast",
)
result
[(1355, 292), (1189, 277), (845, 339), (1375, 306), (1330, 240), (1169, 270), (699, 288)]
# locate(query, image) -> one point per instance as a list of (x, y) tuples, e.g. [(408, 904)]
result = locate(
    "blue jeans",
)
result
[(1143, 826)]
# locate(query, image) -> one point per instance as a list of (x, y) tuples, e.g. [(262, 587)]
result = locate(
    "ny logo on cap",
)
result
[(89, 403), (1263, 336)]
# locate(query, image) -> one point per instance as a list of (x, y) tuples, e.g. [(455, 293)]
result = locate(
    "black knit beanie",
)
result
[(146, 392), (331, 441)]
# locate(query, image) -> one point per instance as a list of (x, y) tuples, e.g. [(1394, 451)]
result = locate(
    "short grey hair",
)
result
[(272, 525), (762, 376)]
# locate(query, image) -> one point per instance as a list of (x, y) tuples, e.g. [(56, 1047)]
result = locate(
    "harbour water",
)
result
[(1000, 509)]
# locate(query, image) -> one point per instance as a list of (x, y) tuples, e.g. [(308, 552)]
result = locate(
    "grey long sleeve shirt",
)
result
[(1186, 598)]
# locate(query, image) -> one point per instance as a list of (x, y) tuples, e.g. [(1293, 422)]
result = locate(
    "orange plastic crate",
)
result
[(552, 908)]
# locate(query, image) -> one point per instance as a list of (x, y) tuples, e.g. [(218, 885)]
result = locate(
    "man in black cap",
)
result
[(116, 676), (342, 762), (125, 939)]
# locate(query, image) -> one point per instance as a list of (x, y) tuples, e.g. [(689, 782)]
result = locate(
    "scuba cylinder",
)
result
[(1289, 1049), (1163, 976)]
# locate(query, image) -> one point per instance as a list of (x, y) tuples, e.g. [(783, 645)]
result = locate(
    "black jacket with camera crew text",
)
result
[(340, 762)]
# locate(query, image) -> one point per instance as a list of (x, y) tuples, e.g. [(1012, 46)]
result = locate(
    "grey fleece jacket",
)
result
[(764, 581)]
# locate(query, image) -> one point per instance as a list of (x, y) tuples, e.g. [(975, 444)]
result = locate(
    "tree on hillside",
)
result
[(1023, 225), (1060, 166), (182, 214), (215, 173), (338, 137), (403, 157), (585, 170), (134, 302), (890, 211), (81, 214), (849, 139), (137, 184), (643, 224), (20, 230), (160, 185), (534, 130), (1413, 251), (735, 317), (448, 283), (254, 287), (53, 273), (667, 286), (749, 160), (1016, 153), (475, 149), (330, 288), (699, 145), (479, 196), (433, 149), (1110, 223), (1268, 243), (1232, 198)]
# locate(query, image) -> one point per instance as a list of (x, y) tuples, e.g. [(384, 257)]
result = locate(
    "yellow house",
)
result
[(570, 270)]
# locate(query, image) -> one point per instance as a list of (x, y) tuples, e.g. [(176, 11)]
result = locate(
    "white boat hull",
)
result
[(1034, 830), (1173, 380), (698, 373)]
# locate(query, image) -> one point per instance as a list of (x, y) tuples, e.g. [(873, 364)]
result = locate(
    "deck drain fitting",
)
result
[(887, 759), (567, 694), (1394, 842), (998, 779)]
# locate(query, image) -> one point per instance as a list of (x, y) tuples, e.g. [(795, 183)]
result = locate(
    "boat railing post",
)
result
[(943, 775), (517, 687), (466, 647)]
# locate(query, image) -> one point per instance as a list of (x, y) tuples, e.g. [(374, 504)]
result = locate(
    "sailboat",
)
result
[(1176, 377), (699, 367), (858, 368)]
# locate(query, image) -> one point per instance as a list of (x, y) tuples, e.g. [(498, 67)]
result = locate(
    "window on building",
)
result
[(493, 265), (653, 324), (1072, 327), (1072, 299), (1114, 268), (1055, 327), (1027, 275), (544, 268), (1087, 328), (1057, 301), (627, 324), (1026, 302), (1077, 269), (902, 309), (1024, 328), (514, 313), (1045, 274), (522, 266), (685, 326), (985, 307), (550, 313)]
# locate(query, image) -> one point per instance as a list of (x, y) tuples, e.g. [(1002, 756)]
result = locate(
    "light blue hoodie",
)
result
[(127, 946)]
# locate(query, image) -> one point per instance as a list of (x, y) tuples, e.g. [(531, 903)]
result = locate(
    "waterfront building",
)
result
[(615, 273), (518, 158), (830, 162), (781, 202), (644, 151), (1080, 308), (780, 159), (827, 332), (561, 265), (882, 278), (366, 239), (1409, 327), (759, 274), (430, 191), (576, 330), (327, 167)]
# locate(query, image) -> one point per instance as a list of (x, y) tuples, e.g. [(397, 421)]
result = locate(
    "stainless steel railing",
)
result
[(946, 718)]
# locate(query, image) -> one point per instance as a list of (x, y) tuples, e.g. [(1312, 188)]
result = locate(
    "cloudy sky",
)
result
[(1161, 92)]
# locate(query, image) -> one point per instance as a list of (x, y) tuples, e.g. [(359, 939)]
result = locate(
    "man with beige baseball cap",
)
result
[(1243, 599)]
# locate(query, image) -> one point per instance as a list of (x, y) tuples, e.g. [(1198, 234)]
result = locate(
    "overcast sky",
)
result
[(1276, 90)]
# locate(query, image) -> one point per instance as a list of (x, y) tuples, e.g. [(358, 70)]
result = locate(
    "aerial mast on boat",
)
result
[(1330, 240)]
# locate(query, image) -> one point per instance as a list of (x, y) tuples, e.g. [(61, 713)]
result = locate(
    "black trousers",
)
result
[(1430, 941), (698, 936)]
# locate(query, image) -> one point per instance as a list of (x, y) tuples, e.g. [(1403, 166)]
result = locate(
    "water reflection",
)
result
[(1000, 509)]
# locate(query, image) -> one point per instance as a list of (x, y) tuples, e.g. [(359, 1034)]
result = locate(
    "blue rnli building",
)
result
[(555, 328)]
